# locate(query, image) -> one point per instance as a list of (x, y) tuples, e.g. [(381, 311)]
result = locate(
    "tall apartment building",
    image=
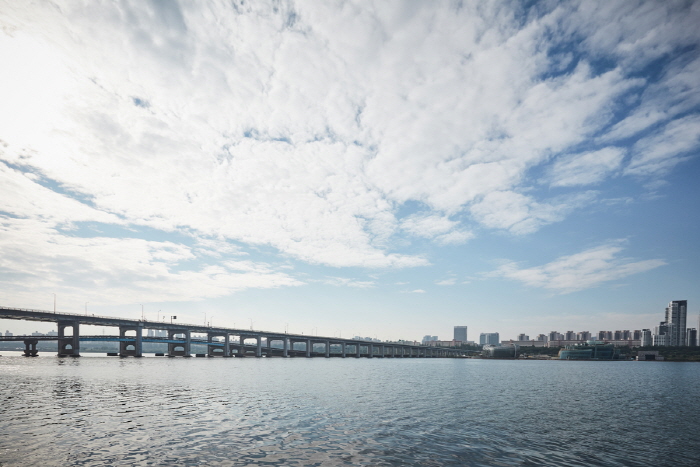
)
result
[(489, 338), (673, 331), (676, 313), (660, 336), (691, 337), (645, 337), (523, 337), (460, 333)]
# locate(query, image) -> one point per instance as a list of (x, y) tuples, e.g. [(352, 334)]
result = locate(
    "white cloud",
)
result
[(440, 228), (109, 271), (310, 135), (521, 214), (451, 281), (655, 155), (586, 168), (580, 271), (346, 282)]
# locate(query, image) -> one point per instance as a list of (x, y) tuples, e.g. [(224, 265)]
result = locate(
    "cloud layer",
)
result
[(583, 270), (337, 134)]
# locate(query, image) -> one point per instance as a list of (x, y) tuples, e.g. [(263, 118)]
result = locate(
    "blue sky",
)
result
[(387, 169)]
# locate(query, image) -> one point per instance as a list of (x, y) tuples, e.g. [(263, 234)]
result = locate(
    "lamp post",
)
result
[(251, 323), (86, 308), (286, 328), (172, 318), (142, 317), (205, 317)]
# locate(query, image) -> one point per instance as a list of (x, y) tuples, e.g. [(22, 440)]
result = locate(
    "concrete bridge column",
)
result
[(357, 350), (137, 342), (30, 347), (68, 345), (258, 348), (285, 347), (309, 347), (342, 349), (227, 345), (328, 349), (370, 350), (185, 352)]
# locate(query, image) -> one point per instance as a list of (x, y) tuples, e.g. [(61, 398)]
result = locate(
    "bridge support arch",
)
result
[(179, 349), (125, 342), (68, 345)]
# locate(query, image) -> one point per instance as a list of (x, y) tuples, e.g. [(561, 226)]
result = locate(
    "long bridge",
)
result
[(219, 341)]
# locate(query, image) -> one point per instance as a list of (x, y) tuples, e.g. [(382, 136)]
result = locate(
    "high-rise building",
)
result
[(427, 339), (583, 336), (523, 337), (660, 336), (570, 336), (489, 338), (676, 313), (542, 338), (460, 333), (637, 334), (691, 337), (645, 337)]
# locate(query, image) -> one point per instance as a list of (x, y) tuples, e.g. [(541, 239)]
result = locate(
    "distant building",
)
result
[(676, 313), (542, 338), (583, 336), (427, 339), (489, 338), (499, 351), (523, 337), (605, 335), (673, 330), (570, 336), (691, 337), (637, 334), (597, 351), (649, 355), (645, 338), (8, 334), (460, 333)]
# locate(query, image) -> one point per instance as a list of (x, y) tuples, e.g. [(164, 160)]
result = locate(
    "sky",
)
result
[(387, 169)]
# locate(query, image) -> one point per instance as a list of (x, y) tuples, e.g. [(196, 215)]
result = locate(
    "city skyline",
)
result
[(365, 168)]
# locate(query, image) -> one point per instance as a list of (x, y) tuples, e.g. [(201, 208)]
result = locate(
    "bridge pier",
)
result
[(124, 350), (30, 349), (258, 347), (68, 345), (215, 350), (179, 349), (309, 348), (342, 349)]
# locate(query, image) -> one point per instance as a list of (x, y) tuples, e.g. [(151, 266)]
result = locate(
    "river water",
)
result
[(96, 411)]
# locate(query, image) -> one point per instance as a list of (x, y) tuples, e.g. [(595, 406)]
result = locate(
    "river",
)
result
[(96, 411)]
